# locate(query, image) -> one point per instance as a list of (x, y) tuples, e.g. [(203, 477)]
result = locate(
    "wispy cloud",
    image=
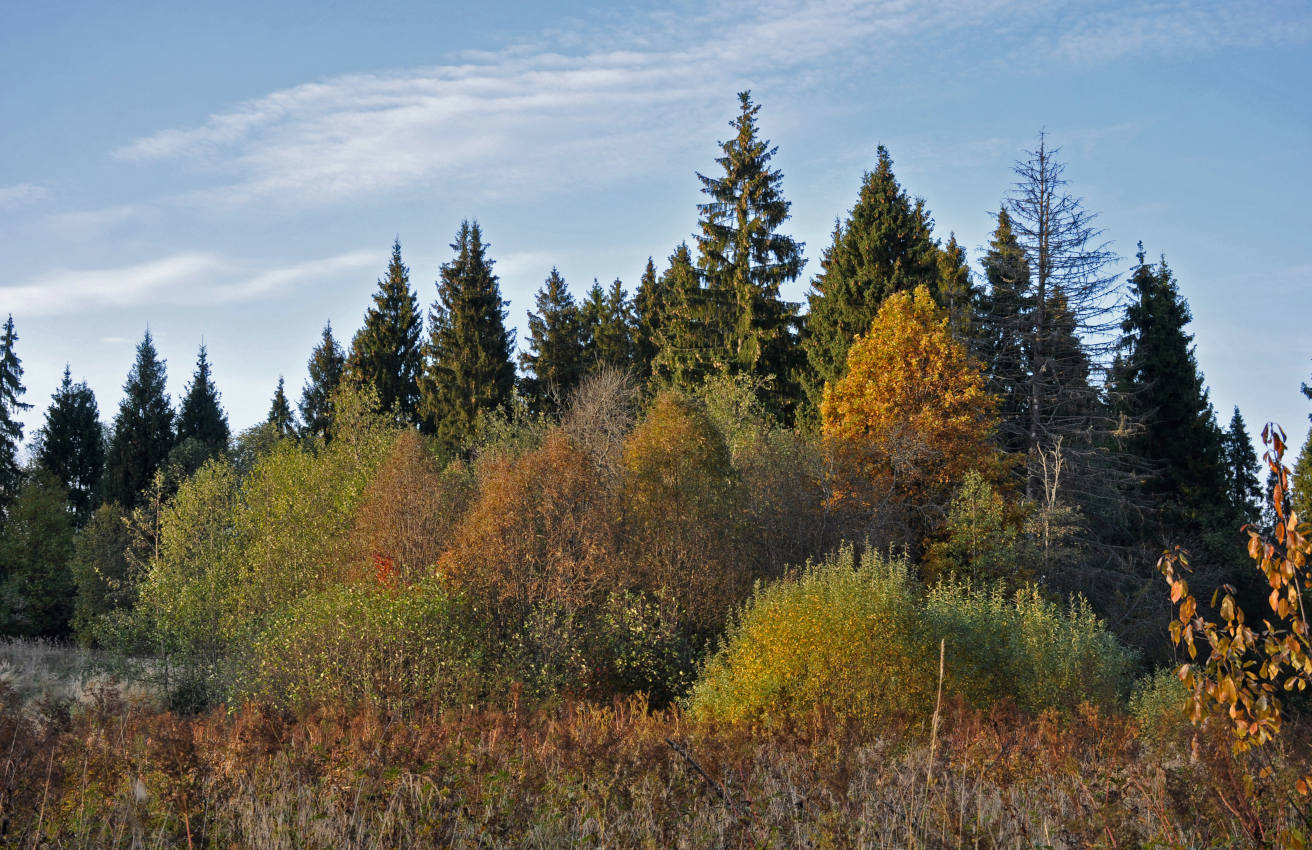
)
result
[(587, 110), (22, 194), (194, 278), (610, 99), (1182, 27)]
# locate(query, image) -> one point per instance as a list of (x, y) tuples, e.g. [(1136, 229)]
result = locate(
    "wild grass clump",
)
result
[(861, 640)]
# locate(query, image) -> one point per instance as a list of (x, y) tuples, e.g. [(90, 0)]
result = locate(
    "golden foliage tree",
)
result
[(912, 415)]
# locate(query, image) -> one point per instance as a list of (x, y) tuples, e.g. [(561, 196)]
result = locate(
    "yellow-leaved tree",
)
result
[(910, 418)]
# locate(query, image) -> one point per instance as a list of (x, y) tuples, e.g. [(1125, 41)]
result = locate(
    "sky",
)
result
[(234, 174)]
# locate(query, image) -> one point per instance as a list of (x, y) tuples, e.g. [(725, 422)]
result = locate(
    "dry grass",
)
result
[(111, 775), (36, 670)]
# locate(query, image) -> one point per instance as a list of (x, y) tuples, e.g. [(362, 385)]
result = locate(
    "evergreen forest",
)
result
[(951, 554)]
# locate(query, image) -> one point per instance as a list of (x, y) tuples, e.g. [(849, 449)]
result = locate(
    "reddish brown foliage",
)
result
[(542, 529), (405, 520)]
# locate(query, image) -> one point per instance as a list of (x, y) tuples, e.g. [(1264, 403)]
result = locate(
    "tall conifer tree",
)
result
[(648, 304), (201, 418), (689, 342), (11, 430), (1243, 489), (745, 259), (143, 429), (386, 353), (72, 445), (325, 368), (607, 319), (1160, 388), (280, 417), (553, 362), (885, 246), (1001, 333), (468, 356)]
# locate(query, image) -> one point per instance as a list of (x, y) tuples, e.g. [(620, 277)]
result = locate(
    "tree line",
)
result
[(1102, 442)]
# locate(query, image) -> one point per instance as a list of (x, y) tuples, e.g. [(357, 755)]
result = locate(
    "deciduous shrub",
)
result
[(679, 498), (844, 636), (542, 529), (406, 515), (1022, 646), (358, 644), (862, 641)]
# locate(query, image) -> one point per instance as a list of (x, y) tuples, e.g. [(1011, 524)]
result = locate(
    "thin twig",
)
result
[(715, 786)]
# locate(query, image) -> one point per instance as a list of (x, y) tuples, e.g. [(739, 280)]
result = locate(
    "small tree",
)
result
[(326, 365), (1244, 670), (280, 416)]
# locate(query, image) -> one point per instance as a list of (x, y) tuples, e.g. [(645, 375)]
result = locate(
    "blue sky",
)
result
[(235, 173)]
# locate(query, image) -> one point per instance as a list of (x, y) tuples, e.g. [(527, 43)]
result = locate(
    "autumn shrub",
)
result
[(1025, 647), (599, 415), (861, 639), (843, 636), (541, 530), (232, 549), (358, 644), (778, 475), (645, 648), (681, 532), (407, 513), (979, 538)]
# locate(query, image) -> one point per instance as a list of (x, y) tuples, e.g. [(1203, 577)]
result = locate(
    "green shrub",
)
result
[(843, 635), (861, 640), (361, 644), (644, 648), (1023, 646), (1161, 707)]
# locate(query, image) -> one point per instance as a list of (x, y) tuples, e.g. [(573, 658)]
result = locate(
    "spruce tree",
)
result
[(326, 365), (201, 418), (1001, 333), (745, 259), (1243, 489), (956, 288), (884, 246), (1161, 389), (280, 417), (72, 445), (648, 306), (11, 430), (143, 429), (607, 320), (386, 353), (689, 342), (468, 369), (554, 361)]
